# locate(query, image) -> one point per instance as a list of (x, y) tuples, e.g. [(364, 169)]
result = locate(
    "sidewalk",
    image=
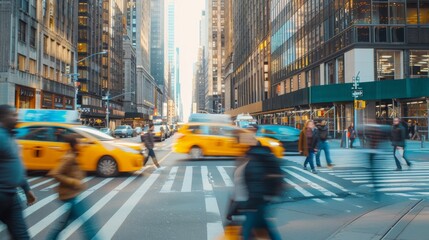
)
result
[(405, 220)]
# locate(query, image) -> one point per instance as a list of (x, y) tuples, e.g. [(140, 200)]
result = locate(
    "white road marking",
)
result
[(170, 180), (316, 186), (302, 191), (398, 185), (225, 177), (33, 179), (41, 183), (187, 180), (94, 209), (45, 222), (214, 227), (398, 189), (111, 227)]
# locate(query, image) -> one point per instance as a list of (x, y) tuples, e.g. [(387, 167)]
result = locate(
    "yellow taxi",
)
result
[(42, 148), (212, 139)]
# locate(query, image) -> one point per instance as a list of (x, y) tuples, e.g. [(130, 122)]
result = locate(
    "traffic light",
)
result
[(360, 104)]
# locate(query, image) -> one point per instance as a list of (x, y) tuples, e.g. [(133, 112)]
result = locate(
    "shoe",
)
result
[(398, 169), (319, 166), (330, 165), (305, 168), (314, 171)]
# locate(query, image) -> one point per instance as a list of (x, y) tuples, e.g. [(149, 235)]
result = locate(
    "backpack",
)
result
[(323, 134)]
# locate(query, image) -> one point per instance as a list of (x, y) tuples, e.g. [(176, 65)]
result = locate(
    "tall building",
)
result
[(228, 65), (171, 48), (216, 55), (37, 49), (130, 79), (319, 47), (249, 83), (158, 53), (198, 95)]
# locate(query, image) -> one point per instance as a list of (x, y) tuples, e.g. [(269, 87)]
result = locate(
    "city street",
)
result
[(188, 199)]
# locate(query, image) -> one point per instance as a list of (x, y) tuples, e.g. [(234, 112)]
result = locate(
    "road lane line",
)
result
[(170, 180), (111, 227), (56, 184), (48, 220), (303, 191), (225, 177), (386, 185), (66, 233), (187, 180), (214, 224)]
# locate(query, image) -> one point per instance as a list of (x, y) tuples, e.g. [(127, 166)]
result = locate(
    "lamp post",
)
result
[(75, 74), (107, 98)]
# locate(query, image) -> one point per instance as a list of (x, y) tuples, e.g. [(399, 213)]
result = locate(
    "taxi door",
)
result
[(221, 144), (39, 149)]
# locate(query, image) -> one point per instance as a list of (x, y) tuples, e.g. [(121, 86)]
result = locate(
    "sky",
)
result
[(188, 14)]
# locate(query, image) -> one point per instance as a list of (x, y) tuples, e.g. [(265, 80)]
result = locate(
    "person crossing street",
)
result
[(398, 143), (149, 143), (323, 145)]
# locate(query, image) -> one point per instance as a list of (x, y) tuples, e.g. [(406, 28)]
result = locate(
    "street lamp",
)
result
[(107, 98), (75, 74)]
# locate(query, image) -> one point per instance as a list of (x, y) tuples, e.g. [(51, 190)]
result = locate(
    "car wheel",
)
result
[(107, 167), (196, 153)]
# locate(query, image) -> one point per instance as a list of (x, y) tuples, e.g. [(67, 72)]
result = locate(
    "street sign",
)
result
[(357, 93)]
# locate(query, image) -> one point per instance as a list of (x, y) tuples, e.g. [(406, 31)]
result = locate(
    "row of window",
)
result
[(390, 65), (22, 34)]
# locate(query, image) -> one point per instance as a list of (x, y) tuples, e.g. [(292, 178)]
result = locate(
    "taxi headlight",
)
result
[(275, 144)]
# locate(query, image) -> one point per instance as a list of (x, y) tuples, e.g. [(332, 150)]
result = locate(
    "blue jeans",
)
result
[(323, 145), (257, 219), (75, 211), (398, 163), (309, 159), (11, 215)]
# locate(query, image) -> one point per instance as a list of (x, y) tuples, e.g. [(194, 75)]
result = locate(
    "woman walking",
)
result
[(70, 178), (307, 144), (352, 134)]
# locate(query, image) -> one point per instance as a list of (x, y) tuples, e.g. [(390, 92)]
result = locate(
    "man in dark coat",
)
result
[(398, 142)]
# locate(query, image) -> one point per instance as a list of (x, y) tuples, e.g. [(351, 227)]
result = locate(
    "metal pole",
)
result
[(335, 121), (107, 109)]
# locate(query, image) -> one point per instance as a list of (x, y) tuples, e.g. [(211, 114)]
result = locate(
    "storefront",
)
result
[(55, 101), (25, 97)]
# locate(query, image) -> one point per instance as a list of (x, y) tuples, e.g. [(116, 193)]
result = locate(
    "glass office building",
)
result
[(317, 47)]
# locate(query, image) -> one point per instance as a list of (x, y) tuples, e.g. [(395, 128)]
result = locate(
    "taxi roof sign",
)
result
[(48, 115)]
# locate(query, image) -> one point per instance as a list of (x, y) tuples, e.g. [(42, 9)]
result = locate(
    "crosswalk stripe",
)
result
[(33, 179), (381, 175), (187, 180), (303, 191), (334, 184), (215, 227), (170, 180), (397, 185), (45, 222), (316, 186), (39, 204), (225, 177), (398, 189), (112, 226), (94, 209), (391, 180), (41, 183)]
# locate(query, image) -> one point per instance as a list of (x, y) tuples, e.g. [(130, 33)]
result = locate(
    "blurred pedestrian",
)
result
[(307, 144), (264, 180), (398, 143), (149, 143), (416, 134), (70, 178), (12, 176), (410, 129), (351, 134), (323, 144)]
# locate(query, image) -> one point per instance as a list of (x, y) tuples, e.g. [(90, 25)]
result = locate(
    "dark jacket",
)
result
[(323, 132), (12, 172), (149, 141), (302, 142), (352, 132), (397, 136), (262, 175)]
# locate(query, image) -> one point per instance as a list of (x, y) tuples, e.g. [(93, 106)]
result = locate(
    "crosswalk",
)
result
[(128, 192)]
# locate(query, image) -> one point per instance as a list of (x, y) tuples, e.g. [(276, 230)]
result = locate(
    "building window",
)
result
[(24, 5), (380, 14), (340, 67), (424, 12), (389, 64), (330, 72), (22, 31), (362, 9), (397, 13), (21, 63), (362, 34), (33, 66), (419, 63), (45, 44), (45, 71), (380, 34), (412, 16), (33, 37)]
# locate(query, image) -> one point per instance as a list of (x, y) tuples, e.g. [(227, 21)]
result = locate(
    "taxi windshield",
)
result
[(94, 133)]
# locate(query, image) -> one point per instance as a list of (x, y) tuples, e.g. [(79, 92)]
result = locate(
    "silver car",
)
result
[(124, 131)]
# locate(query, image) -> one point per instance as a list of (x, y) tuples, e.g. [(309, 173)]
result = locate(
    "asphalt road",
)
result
[(188, 199)]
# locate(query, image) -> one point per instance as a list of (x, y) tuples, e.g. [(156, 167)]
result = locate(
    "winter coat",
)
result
[(69, 175), (323, 133), (149, 142), (302, 142)]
